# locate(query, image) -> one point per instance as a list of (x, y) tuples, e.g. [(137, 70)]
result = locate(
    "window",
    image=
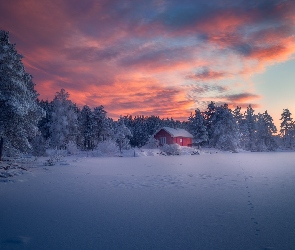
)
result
[(180, 140), (162, 140)]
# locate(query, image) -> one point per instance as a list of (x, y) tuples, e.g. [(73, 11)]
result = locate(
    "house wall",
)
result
[(170, 140), (183, 141), (163, 133)]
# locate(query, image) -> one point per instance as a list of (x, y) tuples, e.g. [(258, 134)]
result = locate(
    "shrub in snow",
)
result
[(152, 143), (59, 152), (189, 151), (107, 148), (55, 155), (173, 149), (72, 148)]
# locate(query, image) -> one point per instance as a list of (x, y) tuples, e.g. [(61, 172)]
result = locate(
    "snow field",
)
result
[(207, 201)]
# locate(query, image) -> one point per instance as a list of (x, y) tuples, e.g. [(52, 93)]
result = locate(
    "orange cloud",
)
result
[(136, 97)]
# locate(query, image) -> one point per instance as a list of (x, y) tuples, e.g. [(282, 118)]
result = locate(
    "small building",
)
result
[(168, 135)]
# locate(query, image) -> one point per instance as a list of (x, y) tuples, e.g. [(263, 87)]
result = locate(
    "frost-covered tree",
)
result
[(265, 129), (122, 135), (225, 133), (153, 124), (197, 127), (86, 128), (152, 143), (19, 111), (250, 129), (287, 131), (44, 123), (64, 123), (139, 132), (103, 125), (209, 116), (241, 122)]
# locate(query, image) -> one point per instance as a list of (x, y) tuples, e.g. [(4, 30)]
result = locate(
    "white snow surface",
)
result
[(208, 201)]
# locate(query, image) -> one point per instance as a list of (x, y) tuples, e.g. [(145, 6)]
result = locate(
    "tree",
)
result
[(250, 129), (242, 127), (19, 111), (87, 128), (122, 135), (139, 132), (197, 127), (265, 130), (287, 131), (44, 123), (209, 116), (103, 128), (64, 123), (225, 133)]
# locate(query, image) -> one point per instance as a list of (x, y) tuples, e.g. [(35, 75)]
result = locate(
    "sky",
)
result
[(158, 57)]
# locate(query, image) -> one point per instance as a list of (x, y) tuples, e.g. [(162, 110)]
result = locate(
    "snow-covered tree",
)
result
[(122, 135), (19, 111), (152, 143), (225, 133), (250, 129), (209, 116), (197, 127), (265, 129), (287, 131), (64, 123), (153, 124), (86, 128), (44, 123), (241, 122), (103, 125), (139, 131)]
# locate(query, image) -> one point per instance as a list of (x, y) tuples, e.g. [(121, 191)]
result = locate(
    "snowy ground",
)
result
[(208, 201)]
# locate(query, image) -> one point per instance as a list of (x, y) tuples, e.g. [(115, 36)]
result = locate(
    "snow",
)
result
[(213, 200), (177, 132)]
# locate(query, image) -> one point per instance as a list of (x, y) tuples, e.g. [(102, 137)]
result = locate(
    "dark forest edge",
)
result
[(29, 125)]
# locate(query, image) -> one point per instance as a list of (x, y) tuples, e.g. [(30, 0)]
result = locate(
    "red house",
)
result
[(168, 135)]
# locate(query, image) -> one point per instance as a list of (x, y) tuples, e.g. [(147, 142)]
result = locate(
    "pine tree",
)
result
[(86, 128), (225, 133), (44, 123), (265, 130), (19, 111), (209, 118), (250, 129), (287, 131), (102, 126), (241, 122), (139, 132), (153, 124), (197, 127)]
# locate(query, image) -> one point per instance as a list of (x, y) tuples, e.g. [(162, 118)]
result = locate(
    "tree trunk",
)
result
[(1, 148)]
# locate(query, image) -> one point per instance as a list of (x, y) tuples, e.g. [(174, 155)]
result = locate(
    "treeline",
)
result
[(217, 126)]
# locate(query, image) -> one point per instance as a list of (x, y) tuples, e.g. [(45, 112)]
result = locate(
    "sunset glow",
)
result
[(158, 57)]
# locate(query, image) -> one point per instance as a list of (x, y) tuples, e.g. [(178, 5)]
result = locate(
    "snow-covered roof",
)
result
[(177, 132)]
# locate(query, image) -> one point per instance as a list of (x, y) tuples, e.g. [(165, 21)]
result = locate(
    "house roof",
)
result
[(177, 132)]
